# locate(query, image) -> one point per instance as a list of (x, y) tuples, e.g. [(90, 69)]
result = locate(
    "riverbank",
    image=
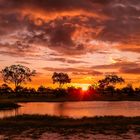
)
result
[(8, 105), (42, 98), (33, 126)]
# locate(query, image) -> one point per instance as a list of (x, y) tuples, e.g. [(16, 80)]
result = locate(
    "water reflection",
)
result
[(8, 113), (77, 109), (60, 109)]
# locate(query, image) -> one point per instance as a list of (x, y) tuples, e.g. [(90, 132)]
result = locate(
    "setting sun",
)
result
[(85, 87)]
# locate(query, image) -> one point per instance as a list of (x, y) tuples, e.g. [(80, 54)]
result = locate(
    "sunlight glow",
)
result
[(85, 87)]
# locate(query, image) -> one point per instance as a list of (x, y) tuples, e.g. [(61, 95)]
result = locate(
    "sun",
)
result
[(84, 87)]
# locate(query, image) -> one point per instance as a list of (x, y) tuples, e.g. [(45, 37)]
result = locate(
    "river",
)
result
[(77, 109)]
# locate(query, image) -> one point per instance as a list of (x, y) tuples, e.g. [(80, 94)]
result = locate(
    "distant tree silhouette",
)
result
[(24, 91), (17, 74), (107, 84), (42, 89), (61, 78), (128, 90), (31, 90), (137, 91), (5, 89), (20, 89), (110, 89), (110, 80)]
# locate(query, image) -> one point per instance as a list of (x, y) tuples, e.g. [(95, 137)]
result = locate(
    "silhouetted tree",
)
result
[(61, 78), (107, 84), (5, 89), (20, 89), (110, 89), (31, 90), (24, 91), (71, 89), (137, 91), (17, 74), (110, 80), (59, 92), (128, 90), (42, 89)]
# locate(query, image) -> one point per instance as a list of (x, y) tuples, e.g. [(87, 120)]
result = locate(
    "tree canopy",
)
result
[(17, 74), (61, 78), (110, 79)]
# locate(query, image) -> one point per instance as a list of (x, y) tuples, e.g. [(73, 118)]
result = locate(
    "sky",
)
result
[(85, 38)]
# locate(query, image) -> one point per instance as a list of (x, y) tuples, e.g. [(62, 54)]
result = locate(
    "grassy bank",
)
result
[(8, 105), (33, 121), (41, 120), (35, 125)]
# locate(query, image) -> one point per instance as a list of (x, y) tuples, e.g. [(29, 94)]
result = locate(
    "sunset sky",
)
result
[(84, 38)]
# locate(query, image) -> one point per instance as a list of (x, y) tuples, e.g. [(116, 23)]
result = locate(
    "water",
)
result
[(77, 109)]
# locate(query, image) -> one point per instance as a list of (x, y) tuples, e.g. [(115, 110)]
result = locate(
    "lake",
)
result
[(77, 109)]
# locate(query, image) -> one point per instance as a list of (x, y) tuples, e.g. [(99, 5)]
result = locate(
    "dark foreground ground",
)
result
[(42, 127)]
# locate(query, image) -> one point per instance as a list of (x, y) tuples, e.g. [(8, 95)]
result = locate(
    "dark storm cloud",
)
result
[(75, 71), (124, 23), (130, 70), (131, 48), (61, 35), (56, 34), (18, 49), (47, 5), (122, 66), (121, 24), (23, 62), (102, 2), (118, 64), (92, 73), (10, 23), (66, 60)]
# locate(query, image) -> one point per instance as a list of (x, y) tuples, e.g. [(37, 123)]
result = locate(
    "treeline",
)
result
[(70, 92), (18, 74)]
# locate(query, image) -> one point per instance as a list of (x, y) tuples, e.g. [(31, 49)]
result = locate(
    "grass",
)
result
[(36, 125), (54, 121), (8, 105)]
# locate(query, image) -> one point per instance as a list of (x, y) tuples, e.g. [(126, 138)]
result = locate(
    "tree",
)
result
[(42, 89), (110, 89), (17, 74), (128, 90), (5, 89), (110, 80), (20, 89), (108, 83), (137, 91), (61, 78)]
